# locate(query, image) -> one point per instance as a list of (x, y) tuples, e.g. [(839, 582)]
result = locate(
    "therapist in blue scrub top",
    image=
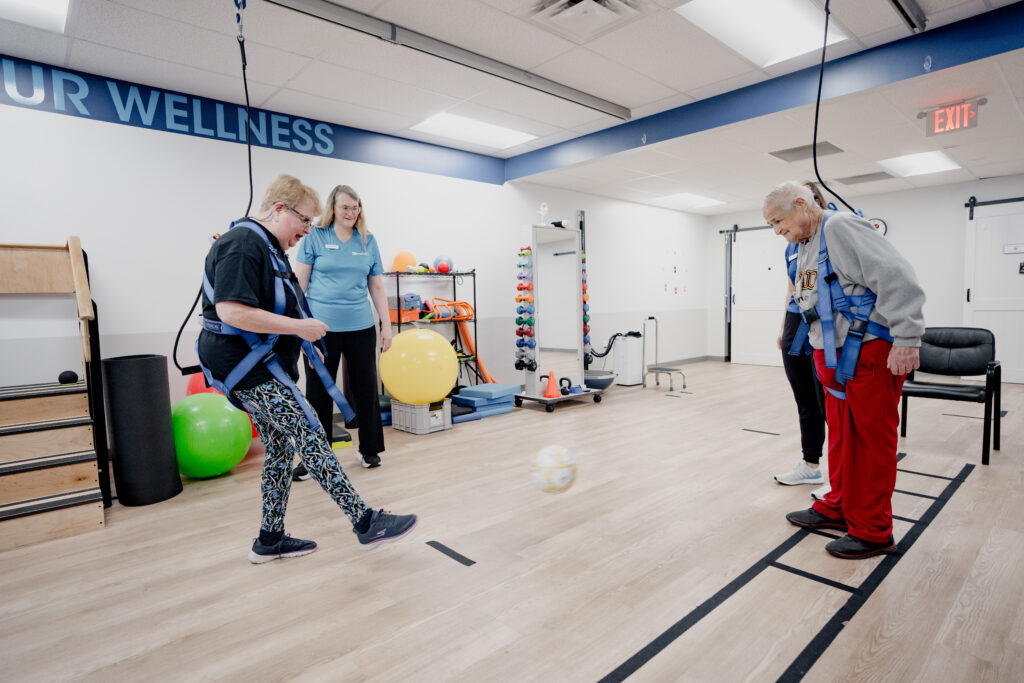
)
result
[(340, 269)]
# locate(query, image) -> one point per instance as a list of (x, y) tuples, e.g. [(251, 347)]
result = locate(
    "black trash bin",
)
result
[(141, 441)]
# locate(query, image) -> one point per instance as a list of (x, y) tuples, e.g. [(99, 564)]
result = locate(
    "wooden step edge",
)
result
[(43, 425), (49, 503), (46, 462), (40, 390)]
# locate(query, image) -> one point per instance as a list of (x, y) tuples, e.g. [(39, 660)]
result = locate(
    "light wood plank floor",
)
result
[(673, 501)]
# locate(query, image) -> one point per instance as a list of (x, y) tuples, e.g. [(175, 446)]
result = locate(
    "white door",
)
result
[(994, 274), (759, 292)]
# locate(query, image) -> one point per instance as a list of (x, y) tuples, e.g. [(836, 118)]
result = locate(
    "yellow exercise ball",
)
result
[(420, 367)]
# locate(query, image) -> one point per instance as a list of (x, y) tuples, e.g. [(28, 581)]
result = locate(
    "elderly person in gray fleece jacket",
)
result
[(862, 408)]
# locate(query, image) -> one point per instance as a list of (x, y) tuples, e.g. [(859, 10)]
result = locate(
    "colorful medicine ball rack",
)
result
[(526, 345), (586, 310)]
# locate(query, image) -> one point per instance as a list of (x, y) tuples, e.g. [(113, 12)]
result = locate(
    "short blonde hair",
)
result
[(289, 190)]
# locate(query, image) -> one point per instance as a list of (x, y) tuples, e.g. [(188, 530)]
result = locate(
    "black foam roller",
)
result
[(141, 441)]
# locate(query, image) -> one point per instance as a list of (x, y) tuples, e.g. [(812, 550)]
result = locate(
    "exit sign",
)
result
[(952, 117)]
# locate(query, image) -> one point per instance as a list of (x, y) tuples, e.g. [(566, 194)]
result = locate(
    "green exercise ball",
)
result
[(210, 435)]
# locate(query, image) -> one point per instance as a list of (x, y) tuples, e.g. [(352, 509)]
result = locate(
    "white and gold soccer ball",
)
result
[(553, 469)]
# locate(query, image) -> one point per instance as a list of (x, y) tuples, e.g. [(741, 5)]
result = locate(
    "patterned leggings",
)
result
[(285, 431)]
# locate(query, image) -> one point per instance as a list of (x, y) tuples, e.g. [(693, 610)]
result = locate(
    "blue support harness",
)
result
[(831, 299), (262, 349)]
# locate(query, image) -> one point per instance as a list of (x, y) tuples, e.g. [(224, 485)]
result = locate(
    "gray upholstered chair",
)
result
[(960, 351)]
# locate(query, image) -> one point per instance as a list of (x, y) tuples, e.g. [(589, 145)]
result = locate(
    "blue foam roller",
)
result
[(494, 410), (468, 417)]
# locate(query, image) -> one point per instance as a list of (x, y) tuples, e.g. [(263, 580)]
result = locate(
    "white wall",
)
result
[(927, 225), (145, 205)]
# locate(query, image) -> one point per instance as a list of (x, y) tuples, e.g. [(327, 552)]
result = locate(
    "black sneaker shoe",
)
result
[(286, 547), (385, 527), (369, 460), (852, 548), (300, 473), (812, 519)]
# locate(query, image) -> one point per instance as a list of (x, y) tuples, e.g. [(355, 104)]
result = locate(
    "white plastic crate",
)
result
[(421, 419)]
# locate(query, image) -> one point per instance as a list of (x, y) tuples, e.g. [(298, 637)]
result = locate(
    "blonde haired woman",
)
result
[(340, 269), (244, 270)]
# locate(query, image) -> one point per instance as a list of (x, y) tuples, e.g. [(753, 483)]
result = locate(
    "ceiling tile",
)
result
[(332, 111), (111, 63), (500, 117), (32, 43), (593, 74), (478, 28), (671, 50), (363, 52), (658, 106), (541, 106), (338, 83)]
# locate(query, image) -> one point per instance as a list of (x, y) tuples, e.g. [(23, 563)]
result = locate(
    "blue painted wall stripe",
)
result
[(47, 88), (985, 35)]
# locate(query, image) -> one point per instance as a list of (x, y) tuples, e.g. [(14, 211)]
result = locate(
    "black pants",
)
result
[(810, 399), (360, 351)]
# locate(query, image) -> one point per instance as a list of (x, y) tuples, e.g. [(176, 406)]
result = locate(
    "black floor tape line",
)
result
[(810, 654), (451, 553), (758, 431), (815, 577), (917, 495), (906, 519), (924, 474), (806, 659), (631, 665)]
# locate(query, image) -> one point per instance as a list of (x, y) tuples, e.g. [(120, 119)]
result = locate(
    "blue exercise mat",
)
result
[(467, 417), (480, 402), (490, 390)]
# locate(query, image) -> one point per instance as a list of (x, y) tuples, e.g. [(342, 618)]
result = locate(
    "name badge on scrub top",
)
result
[(330, 246)]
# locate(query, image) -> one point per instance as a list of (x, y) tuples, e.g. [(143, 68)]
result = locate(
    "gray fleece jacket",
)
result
[(862, 259)]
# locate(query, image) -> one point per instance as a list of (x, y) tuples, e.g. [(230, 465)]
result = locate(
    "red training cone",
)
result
[(552, 390)]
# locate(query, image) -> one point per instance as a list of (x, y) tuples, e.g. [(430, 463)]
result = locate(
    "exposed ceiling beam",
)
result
[(350, 18)]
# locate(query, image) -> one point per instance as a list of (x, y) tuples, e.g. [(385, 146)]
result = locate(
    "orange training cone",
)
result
[(552, 390)]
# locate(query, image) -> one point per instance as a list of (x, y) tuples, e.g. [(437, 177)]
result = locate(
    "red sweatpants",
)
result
[(862, 436)]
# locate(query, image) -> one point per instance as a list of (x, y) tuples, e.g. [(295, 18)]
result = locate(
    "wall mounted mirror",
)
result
[(558, 302)]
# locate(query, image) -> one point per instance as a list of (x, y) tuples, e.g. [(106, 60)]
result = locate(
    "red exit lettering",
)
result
[(953, 117)]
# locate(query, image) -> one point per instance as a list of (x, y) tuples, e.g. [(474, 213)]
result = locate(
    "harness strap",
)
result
[(262, 349), (841, 395)]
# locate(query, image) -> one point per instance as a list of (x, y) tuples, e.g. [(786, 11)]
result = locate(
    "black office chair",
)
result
[(960, 351)]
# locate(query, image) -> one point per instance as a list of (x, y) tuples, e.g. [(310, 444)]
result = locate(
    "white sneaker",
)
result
[(801, 474), (820, 492)]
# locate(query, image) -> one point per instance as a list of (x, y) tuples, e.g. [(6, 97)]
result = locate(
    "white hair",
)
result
[(786, 193)]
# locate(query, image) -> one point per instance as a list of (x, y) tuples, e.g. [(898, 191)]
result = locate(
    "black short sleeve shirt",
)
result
[(240, 268)]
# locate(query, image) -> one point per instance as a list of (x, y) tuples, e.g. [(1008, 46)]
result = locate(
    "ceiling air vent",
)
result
[(805, 152), (583, 20), (864, 178)]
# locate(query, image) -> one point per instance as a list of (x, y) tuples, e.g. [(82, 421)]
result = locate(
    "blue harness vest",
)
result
[(831, 299), (262, 350)]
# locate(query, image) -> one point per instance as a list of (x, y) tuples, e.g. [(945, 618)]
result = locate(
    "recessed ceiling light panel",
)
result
[(766, 33), (919, 164), (470, 130), (49, 15)]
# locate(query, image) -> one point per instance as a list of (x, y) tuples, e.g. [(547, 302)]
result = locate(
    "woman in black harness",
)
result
[(245, 270)]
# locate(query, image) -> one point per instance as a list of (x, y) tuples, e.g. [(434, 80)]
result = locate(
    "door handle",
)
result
[(968, 295)]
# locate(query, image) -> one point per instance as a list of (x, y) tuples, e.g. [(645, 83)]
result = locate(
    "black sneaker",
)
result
[(852, 548), (369, 460), (300, 473), (812, 519), (286, 547), (385, 527)]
